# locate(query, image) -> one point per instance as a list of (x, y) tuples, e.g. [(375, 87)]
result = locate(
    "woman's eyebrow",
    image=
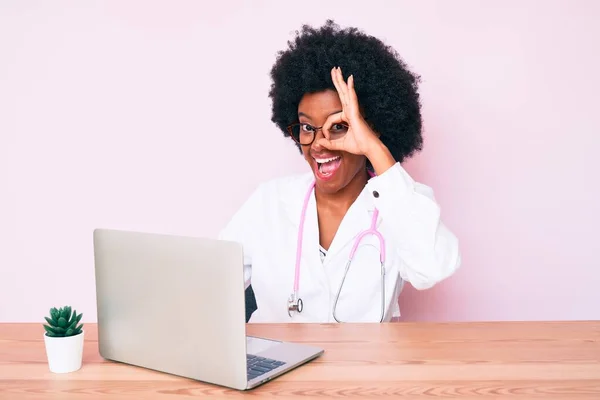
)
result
[(301, 114)]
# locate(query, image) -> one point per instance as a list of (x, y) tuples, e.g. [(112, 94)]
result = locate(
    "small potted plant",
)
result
[(64, 340)]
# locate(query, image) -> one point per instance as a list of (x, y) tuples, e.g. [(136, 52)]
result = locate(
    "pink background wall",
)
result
[(123, 115)]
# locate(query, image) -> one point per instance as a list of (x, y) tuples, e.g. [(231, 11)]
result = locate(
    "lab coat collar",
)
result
[(357, 219)]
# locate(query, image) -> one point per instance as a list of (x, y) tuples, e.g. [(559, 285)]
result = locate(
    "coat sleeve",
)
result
[(428, 249), (241, 228)]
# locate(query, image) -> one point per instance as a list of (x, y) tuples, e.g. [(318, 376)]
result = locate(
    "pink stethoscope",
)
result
[(295, 303)]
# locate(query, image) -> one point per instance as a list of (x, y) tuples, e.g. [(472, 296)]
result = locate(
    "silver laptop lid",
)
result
[(173, 304)]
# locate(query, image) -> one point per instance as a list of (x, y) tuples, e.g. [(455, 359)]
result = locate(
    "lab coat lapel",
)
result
[(357, 218), (310, 239), (314, 283), (310, 244)]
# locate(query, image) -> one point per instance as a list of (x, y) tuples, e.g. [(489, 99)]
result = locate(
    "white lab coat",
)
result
[(419, 249)]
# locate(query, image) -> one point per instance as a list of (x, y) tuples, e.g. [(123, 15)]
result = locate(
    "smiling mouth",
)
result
[(327, 166)]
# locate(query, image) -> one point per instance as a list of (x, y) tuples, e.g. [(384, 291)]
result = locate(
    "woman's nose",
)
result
[(318, 135)]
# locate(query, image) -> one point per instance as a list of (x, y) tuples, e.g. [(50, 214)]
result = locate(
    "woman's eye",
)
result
[(338, 128), (307, 128)]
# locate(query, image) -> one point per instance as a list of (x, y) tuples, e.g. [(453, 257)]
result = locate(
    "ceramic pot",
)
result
[(64, 353)]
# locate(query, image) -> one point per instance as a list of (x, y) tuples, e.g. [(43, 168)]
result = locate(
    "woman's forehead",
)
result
[(319, 105)]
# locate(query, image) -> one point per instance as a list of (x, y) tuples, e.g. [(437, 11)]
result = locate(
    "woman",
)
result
[(352, 107)]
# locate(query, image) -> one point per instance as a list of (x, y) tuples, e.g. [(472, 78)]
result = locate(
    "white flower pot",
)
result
[(64, 353)]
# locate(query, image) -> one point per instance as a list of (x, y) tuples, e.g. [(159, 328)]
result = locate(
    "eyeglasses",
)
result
[(305, 134)]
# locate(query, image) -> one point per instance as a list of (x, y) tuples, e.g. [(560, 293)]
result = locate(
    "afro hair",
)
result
[(387, 91)]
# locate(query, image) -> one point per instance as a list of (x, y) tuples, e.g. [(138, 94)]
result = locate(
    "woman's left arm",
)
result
[(429, 250)]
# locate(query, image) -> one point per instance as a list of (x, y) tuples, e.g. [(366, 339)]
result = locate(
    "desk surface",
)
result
[(516, 360)]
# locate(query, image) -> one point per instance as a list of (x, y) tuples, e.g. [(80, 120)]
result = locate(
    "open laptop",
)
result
[(176, 304)]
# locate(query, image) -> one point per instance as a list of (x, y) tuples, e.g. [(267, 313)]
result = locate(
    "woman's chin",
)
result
[(329, 174), (328, 183), (324, 177)]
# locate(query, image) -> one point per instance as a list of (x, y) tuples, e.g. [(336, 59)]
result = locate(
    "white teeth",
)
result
[(326, 160)]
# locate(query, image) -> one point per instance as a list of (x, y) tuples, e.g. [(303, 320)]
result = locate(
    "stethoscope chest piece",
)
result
[(295, 302), (294, 305)]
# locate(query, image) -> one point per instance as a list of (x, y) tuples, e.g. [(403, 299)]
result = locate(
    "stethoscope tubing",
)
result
[(295, 302)]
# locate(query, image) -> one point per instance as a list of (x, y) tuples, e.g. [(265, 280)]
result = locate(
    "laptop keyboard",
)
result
[(260, 365)]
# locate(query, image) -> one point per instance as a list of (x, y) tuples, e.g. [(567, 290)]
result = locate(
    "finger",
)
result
[(352, 97), (336, 118), (334, 79), (337, 144), (338, 88), (343, 86)]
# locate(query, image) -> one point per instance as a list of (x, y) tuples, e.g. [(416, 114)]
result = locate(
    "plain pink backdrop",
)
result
[(154, 116)]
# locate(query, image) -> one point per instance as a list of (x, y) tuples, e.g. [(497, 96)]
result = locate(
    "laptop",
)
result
[(176, 304)]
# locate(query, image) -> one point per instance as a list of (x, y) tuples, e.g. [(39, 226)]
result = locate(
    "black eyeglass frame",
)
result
[(314, 133)]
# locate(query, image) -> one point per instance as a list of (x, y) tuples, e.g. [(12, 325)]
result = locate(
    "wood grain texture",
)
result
[(495, 360)]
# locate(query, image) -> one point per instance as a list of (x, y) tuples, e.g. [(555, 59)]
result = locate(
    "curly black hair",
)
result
[(387, 90)]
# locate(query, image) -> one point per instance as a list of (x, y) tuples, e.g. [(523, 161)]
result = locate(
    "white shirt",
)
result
[(419, 249)]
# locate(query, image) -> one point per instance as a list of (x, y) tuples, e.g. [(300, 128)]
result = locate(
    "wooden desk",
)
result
[(519, 360)]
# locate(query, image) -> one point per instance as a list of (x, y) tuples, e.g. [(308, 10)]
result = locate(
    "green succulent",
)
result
[(63, 323)]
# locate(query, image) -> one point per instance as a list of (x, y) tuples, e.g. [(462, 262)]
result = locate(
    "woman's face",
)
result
[(333, 170)]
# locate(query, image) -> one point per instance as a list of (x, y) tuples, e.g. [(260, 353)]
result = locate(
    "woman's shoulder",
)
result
[(285, 186)]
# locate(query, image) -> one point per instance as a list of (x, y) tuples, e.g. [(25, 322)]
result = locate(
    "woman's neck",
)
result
[(342, 200)]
